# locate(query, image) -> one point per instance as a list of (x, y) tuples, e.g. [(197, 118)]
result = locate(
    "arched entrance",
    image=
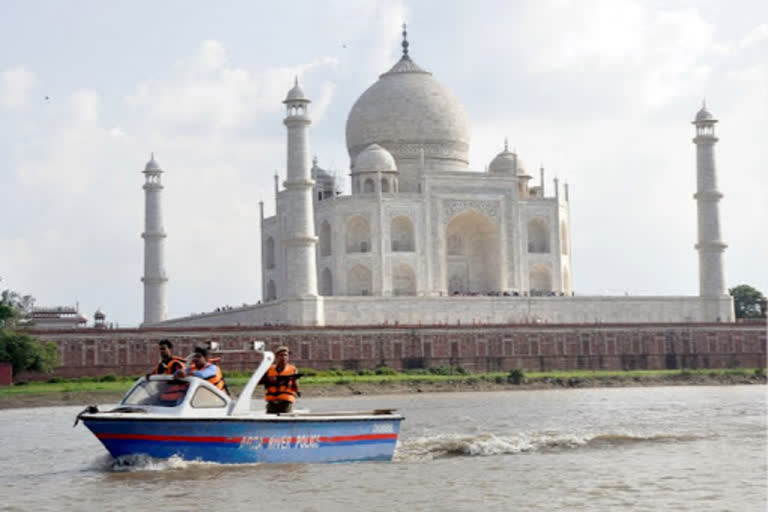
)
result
[(472, 255)]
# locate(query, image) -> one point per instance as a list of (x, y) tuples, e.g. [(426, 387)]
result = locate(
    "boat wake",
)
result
[(488, 444), (131, 463)]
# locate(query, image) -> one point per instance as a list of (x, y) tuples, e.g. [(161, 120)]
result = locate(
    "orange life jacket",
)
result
[(174, 392), (283, 390), (175, 364), (218, 379)]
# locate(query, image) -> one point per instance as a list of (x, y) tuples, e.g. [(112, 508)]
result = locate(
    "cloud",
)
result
[(659, 56), (755, 37), (15, 85), (205, 93)]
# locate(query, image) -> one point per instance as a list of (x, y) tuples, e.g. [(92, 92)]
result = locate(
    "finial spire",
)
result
[(296, 80), (704, 103), (506, 145), (152, 155), (405, 41)]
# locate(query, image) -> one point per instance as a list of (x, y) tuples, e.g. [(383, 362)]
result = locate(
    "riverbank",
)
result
[(81, 392)]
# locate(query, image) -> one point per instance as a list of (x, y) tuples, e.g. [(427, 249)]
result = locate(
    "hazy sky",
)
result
[(601, 92)]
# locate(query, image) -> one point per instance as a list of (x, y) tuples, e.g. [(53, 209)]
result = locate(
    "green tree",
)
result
[(26, 353), (746, 301), (22, 350), (7, 314)]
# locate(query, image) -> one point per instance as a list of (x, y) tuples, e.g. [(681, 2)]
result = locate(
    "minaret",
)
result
[(155, 279), (710, 245), (299, 230)]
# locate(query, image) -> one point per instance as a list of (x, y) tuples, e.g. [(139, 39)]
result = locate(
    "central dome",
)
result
[(407, 111)]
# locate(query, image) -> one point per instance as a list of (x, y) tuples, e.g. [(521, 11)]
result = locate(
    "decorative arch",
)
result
[(271, 290), (326, 241), (369, 185), (358, 235), (563, 238), (538, 236), (403, 280), (472, 253), (359, 281), (540, 279), (269, 252), (384, 185), (326, 283), (401, 234)]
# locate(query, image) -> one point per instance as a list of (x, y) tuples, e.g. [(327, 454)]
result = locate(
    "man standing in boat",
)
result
[(204, 369), (281, 383), (169, 364)]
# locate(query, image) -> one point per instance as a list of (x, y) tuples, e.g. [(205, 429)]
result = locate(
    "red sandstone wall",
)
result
[(481, 348)]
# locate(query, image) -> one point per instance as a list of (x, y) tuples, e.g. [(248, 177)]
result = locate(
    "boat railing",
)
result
[(243, 403)]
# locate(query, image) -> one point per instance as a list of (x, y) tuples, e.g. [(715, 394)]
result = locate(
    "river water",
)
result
[(665, 448)]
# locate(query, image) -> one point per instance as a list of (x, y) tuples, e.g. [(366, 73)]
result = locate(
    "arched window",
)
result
[(325, 239), (384, 185), (269, 252), (538, 236), (540, 279), (369, 186), (358, 235), (359, 281), (401, 233), (326, 283), (271, 290), (403, 280), (563, 238)]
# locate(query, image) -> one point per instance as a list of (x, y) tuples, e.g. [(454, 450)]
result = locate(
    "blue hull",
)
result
[(242, 440)]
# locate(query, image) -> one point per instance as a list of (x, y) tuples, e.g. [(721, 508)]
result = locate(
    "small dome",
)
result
[(296, 94), (505, 162), (99, 314), (374, 158), (704, 115), (152, 164)]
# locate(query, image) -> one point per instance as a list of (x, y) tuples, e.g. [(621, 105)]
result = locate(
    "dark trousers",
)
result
[(278, 407)]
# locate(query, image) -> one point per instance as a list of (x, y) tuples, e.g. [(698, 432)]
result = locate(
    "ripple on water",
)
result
[(489, 444)]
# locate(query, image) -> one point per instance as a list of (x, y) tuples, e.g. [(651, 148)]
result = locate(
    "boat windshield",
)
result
[(164, 393)]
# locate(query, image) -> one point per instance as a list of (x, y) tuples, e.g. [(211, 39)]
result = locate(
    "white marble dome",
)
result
[(152, 165), (296, 94), (704, 115), (374, 158), (407, 110), (504, 163)]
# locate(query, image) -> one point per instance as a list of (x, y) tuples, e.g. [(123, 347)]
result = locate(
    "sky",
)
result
[(600, 92)]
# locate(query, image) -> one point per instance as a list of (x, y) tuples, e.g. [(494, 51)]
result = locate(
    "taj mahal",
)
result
[(422, 239)]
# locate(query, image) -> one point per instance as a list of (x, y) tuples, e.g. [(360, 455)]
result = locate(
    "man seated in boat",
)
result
[(281, 386), (169, 364), (204, 369)]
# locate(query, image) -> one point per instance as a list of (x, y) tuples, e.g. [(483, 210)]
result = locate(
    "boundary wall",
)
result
[(90, 352)]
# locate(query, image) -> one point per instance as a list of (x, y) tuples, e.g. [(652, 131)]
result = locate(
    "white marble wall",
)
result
[(470, 310)]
